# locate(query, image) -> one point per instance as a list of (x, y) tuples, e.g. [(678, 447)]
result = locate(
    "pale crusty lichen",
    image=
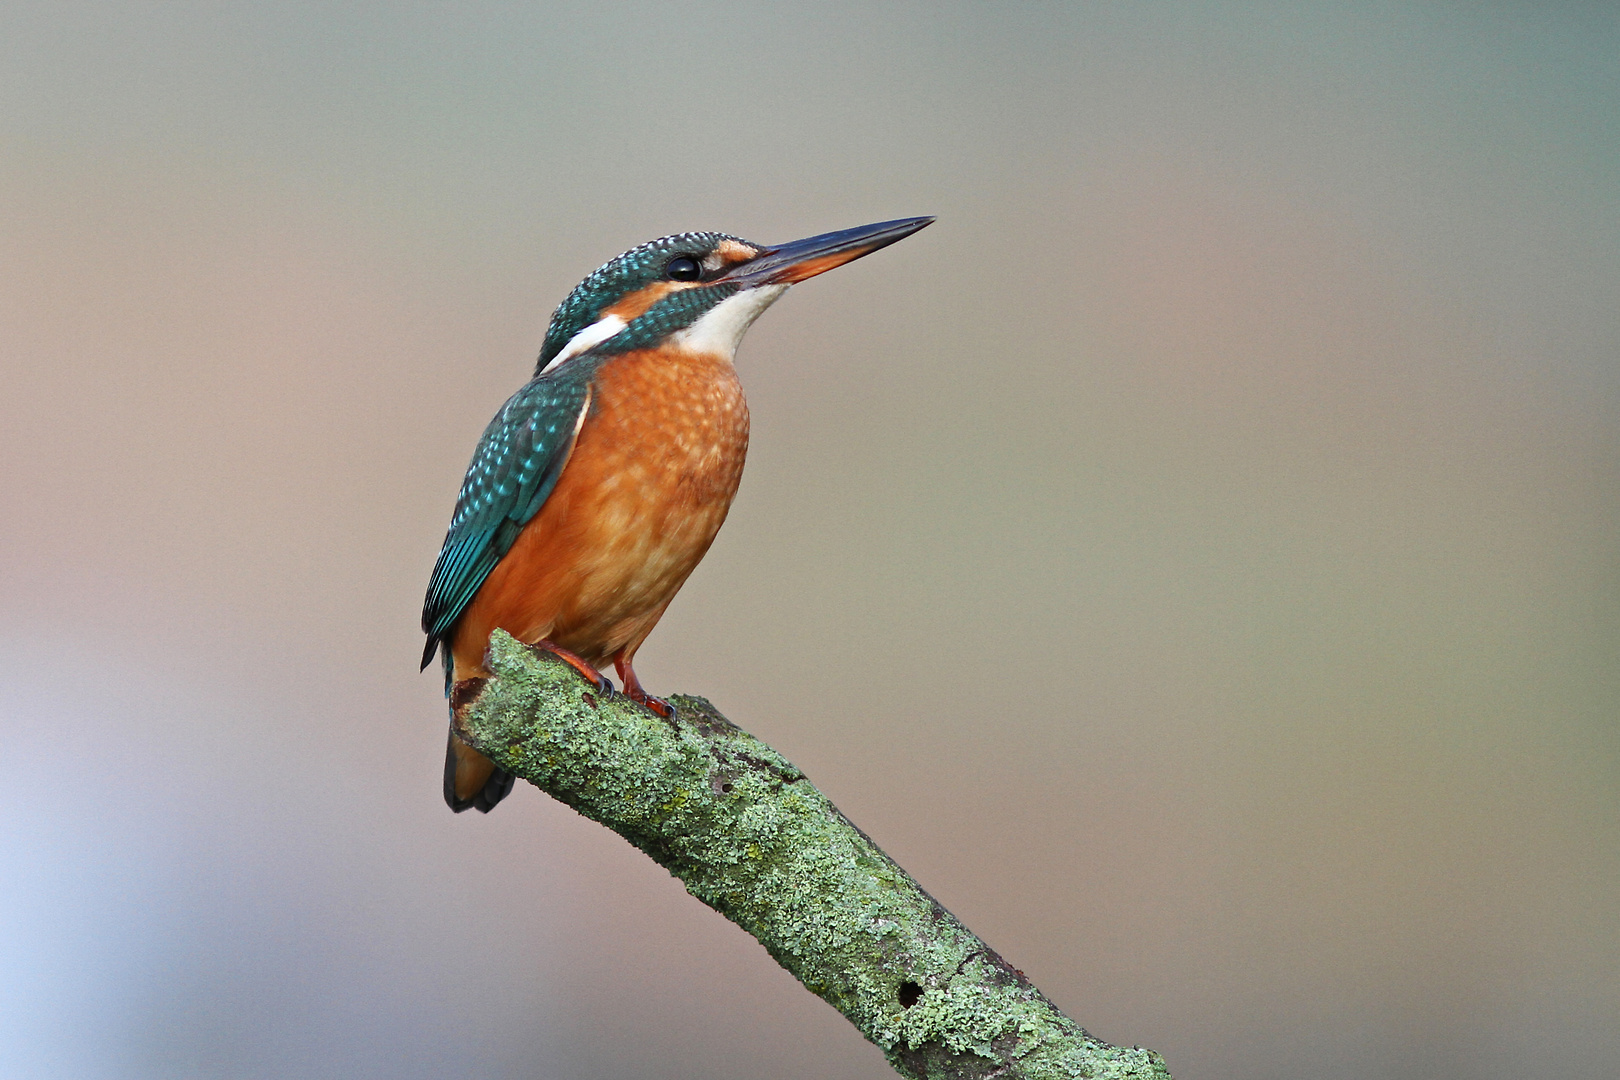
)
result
[(756, 841)]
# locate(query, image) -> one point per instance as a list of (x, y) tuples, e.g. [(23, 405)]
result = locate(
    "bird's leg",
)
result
[(633, 690), (579, 664)]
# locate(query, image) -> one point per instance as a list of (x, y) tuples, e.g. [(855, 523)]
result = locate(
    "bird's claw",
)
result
[(599, 682), (657, 705)]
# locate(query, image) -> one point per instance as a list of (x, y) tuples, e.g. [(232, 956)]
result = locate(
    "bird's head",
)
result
[(700, 290)]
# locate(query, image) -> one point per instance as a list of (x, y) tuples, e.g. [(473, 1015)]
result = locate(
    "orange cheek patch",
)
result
[(633, 306)]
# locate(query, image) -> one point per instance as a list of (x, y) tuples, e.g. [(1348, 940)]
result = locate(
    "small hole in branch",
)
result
[(910, 992)]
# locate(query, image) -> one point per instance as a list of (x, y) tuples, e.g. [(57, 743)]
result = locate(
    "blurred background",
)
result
[(1196, 557)]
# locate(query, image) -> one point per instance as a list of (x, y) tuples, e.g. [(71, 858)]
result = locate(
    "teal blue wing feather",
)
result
[(513, 471)]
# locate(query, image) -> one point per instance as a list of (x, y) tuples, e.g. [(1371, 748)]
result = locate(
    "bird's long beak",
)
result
[(790, 263)]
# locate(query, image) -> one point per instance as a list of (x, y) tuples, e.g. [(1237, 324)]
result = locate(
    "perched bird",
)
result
[(601, 483)]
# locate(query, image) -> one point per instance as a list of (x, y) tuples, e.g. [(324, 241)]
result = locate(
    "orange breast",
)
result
[(645, 491)]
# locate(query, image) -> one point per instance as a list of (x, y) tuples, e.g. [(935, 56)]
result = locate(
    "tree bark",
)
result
[(751, 837)]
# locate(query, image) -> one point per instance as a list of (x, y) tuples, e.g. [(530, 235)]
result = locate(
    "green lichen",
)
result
[(756, 841)]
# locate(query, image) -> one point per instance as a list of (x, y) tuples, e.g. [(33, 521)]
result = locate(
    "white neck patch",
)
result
[(723, 326), (588, 338)]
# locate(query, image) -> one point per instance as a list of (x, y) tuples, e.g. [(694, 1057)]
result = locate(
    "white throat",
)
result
[(722, 326)]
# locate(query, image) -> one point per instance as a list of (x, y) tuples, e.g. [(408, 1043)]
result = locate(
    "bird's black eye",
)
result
[(683, 268)]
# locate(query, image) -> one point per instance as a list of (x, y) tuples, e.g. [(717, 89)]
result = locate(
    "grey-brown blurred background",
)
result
[(1196, 557)]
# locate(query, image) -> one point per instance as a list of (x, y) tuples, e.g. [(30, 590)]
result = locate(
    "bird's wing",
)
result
[(516, 465)]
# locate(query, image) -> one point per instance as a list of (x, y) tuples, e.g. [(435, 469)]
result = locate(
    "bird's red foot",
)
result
[(656, 704), (633, 690), (597, 680)]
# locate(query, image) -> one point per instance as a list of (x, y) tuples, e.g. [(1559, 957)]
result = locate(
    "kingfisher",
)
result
[(601, 483)]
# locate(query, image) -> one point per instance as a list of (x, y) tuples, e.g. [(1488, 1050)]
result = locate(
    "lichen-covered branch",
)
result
[(755, 840)]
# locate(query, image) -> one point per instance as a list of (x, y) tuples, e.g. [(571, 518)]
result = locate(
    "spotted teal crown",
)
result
[(624, 274)]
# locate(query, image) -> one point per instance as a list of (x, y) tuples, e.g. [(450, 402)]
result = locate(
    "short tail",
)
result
[(471, 780)]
